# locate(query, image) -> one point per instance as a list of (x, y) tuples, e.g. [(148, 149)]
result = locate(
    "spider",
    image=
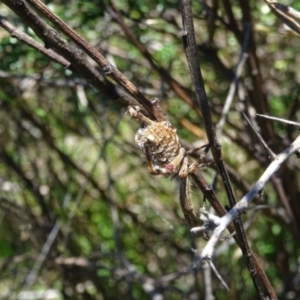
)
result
[(161, 146), (165, 155)]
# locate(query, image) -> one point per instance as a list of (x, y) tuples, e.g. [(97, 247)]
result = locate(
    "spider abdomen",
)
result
[(161, 140)]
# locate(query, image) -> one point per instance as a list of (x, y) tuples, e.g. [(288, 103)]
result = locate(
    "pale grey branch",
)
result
[(243, 204)]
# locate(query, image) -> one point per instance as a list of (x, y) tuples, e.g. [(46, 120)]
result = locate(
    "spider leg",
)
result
[(175, 165), (135, 111), (186, 170), (151, 167), (177, 161), (206, 146)]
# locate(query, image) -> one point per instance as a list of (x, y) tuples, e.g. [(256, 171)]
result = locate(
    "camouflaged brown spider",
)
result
[(161, 146), (165, 155)]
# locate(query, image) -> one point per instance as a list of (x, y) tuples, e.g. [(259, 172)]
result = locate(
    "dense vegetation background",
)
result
[(81, 217)]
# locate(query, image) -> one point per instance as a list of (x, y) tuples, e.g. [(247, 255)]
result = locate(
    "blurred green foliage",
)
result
[(68, 159)]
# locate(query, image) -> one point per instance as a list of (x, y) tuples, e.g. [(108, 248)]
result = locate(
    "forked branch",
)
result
[(243, 204)]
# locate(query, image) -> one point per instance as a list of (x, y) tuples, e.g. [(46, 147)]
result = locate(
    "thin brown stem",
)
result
[(108, 68), (193, 61)]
